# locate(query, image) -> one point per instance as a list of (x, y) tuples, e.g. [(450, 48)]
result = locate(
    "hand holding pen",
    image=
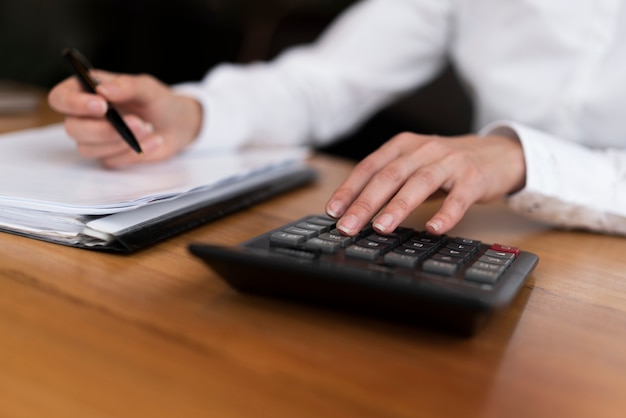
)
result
[(162, 122), (81, 68)]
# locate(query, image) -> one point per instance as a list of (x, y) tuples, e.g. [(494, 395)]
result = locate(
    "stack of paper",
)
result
[(48, 191)]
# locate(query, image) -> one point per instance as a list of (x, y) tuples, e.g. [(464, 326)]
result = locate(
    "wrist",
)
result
[(189, 115)]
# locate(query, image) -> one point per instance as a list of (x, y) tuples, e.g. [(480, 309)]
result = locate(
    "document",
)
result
[(49, 192)]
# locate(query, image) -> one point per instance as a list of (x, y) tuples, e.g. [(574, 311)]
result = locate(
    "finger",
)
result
[(462, 195), (385, 186), (153, 147), (125, 158), (114, 151), (354, 184), (421, 184), (69, 98), (90, 131), (103, 76), (123, 88), (97, 138)]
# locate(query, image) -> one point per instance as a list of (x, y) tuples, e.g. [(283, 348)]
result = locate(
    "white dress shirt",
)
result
[(550, 72)]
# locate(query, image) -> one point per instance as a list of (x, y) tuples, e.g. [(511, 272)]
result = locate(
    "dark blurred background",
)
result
[(180, 40)]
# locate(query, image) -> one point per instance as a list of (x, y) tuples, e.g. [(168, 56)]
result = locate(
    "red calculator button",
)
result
[(505, 249)]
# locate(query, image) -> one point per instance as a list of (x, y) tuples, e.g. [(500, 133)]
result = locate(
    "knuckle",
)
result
[(402, 138), (459, 202), (362, 206), (144, 77), (400, 205), (366, 166), (454, 207), (435, 146), (344, 193), (427, 177), (150, 82), (458, 158), (391, 174)]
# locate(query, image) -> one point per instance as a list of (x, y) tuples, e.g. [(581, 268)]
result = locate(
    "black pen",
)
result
[(81, 67)]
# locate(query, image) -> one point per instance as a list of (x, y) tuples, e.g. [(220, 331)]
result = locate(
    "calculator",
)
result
[(450, 283)]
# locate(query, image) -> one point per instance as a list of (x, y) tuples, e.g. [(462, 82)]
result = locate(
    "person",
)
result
[(546, 80)]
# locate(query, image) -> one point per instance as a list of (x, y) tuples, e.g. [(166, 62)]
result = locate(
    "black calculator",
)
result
[(452, 283)]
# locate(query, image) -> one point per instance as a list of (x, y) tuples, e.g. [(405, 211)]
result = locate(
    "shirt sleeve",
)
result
[(374, 52), (568, 185)]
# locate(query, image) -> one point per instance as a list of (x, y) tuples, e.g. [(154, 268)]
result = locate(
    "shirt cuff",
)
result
[(562, 186), (207, 138)]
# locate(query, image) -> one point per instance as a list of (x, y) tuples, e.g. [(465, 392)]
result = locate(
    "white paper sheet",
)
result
[(41, 170)]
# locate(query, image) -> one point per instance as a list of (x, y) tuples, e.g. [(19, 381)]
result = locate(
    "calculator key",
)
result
[(318, 220), (341, 239), (373, 244), (478, 275), (400, 233), (467, 241), (464, 255), (316, 227), (505, 249), (401, 260), (500, 254), (335, 231), (470, 249), (440, 267), (308, 233), (364, 253), (429, 238), (367, 230), (413, 252), (501, 261), (383, 239), (488, 266), (286, 238), (323, 245), (424, 246), (446, 258)]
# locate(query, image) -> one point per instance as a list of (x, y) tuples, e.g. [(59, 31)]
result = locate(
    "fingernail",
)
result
[(383, 223), (434, 226), (148, 128), (348, 224), (335, 209), (97, 106), (152, 143)]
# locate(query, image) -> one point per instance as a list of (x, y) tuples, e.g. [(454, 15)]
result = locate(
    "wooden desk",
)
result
[(156, 334)]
